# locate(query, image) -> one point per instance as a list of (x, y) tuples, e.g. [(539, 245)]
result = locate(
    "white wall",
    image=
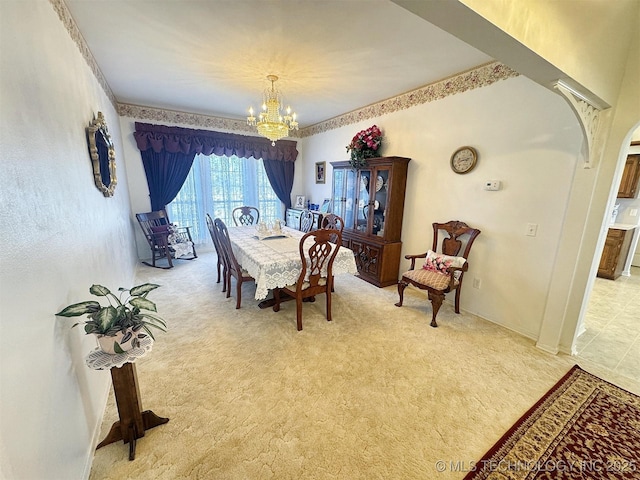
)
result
[(528, 138), (59, 235), (136, 183)]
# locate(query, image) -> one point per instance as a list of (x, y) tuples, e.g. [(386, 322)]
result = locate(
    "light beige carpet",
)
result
[(375, 394)]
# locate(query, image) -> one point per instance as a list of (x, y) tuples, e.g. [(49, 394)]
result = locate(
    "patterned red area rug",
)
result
[(583, 428)]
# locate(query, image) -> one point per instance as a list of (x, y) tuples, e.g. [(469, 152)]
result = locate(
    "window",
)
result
[(216, 185)]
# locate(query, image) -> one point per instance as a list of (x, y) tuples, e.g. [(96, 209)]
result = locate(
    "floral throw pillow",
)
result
[(437, 262)]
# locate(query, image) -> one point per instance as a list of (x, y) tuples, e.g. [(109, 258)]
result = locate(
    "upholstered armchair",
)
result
[(441, 273)]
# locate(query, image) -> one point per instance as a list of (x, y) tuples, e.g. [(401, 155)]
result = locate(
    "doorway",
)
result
[(609, 335)]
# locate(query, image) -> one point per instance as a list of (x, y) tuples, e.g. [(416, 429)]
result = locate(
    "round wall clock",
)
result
[(464, 159)]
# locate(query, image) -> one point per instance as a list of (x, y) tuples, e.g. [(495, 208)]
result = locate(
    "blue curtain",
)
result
[(168, 153), (166, 173), (280, 175)]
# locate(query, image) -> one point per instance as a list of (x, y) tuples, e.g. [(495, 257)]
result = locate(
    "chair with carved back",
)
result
[(165, 240), (442, 272), (231, 266), (307, 221), (216, 243), (332, 221), (317, 253), (245, 215)]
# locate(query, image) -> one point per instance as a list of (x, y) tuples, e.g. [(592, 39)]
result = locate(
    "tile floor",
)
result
[(612, 321)]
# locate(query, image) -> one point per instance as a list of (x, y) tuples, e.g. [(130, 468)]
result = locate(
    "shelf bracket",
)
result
[(593, 121)]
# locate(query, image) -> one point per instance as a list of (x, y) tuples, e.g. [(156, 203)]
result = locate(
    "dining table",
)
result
[(274, 260)]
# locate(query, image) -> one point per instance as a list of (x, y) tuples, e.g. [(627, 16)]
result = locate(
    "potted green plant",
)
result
[(120, 325)]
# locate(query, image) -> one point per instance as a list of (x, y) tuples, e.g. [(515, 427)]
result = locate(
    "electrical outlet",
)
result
[(477, 283), (633, 212), (532, 229)]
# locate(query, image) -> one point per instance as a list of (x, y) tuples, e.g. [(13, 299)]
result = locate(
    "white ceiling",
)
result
[(212, 56)]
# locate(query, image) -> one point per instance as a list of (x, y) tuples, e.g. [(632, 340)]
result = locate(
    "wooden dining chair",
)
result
[(441, 272), (306, 221), (316, 276), (219, 254), (231, 266), (245, 215)]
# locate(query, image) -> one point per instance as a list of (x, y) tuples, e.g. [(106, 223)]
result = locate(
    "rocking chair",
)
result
[(165, 240)]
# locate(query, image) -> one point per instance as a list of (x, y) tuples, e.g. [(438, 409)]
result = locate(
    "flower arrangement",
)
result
[(365, 144)]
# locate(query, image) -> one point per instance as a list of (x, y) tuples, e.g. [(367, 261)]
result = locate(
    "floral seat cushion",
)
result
[(435, 280)]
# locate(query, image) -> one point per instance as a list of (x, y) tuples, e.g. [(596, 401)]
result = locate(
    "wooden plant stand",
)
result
[(133, 421)]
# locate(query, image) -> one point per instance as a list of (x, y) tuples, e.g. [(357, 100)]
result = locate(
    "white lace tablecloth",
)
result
[(100, 360), (275, 262)]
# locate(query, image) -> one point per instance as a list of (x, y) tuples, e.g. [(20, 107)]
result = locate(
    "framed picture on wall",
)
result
[(320, 169), (299, 202)]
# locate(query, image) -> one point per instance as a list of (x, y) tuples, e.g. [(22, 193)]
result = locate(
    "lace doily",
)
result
[(100, 360)]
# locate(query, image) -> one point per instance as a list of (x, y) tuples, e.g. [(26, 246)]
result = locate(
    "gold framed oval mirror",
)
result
[(103, 156)]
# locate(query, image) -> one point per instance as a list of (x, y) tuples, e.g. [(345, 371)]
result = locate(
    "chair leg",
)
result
[(457, 300), (436, 303), (224, 278), (401, 287), (328, 294), (238, 293), (218, 266), (299, 312), (228, 284), (168, 254)]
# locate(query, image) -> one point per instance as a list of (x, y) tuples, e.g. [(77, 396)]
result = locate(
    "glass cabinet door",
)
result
[(360, 198), (338, 200), (363, 212), (344, 195), (379, 186)]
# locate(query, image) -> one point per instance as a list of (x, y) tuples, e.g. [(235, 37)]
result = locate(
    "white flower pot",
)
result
[(126, 341)]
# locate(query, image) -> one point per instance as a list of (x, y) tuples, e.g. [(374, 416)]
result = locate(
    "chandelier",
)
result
[(270, 122)]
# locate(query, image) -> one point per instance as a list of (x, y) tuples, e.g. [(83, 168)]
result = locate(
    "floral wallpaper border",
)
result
[(481, 76), (183, 118), (478, 77)]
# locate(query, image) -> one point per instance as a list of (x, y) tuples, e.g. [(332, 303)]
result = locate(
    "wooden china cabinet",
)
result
[(371, 203)]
